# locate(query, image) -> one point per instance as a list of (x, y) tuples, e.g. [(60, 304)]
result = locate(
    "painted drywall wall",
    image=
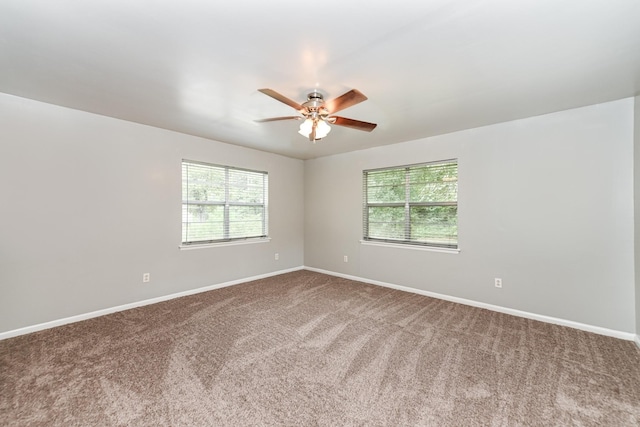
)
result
[(636, 189), (90, 203), (545, 203)]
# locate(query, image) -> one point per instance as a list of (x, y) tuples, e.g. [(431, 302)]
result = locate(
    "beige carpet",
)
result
[(306, 349)]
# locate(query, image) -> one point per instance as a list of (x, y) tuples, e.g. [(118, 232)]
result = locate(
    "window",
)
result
[(221, 203), (415, 204)]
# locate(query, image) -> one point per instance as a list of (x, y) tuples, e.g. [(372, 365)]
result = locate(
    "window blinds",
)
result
[(414, 204), (222, 203)]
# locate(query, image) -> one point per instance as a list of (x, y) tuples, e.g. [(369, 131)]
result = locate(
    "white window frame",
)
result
[(407, 204), (227, 204)]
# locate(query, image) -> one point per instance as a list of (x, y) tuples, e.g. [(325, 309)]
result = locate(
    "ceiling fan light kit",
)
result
[(317, 113), (321, 130)]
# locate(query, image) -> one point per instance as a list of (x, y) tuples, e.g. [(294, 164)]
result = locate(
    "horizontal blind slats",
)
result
[(414, 204), (222, 203)]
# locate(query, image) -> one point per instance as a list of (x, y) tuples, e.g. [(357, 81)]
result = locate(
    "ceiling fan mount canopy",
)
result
[(317, 113)]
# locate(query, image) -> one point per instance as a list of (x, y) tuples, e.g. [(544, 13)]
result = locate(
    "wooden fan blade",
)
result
[(351, 123), (274, 119), (346, 100), (275, 95)]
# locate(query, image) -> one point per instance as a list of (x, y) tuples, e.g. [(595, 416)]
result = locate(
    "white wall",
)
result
[(636, 189), (90, 203), (545, 203)]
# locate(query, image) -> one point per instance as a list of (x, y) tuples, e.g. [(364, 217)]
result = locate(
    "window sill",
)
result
[(413, 247), (221, 244)]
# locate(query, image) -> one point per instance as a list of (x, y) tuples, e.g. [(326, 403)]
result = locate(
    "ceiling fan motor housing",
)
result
[(315, 101)]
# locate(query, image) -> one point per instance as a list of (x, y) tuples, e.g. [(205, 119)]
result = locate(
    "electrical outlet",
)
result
[(346, 258), (498, 282), (146, 277), (277, 257)]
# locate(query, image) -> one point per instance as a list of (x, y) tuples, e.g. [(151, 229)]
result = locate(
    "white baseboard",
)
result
[(547, 319), (85, 316), (534, 316)]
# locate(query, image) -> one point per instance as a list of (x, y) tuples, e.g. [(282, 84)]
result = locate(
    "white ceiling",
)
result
[(428, 67)]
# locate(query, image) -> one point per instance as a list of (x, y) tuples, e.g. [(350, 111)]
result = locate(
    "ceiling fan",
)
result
[(317, 113)]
